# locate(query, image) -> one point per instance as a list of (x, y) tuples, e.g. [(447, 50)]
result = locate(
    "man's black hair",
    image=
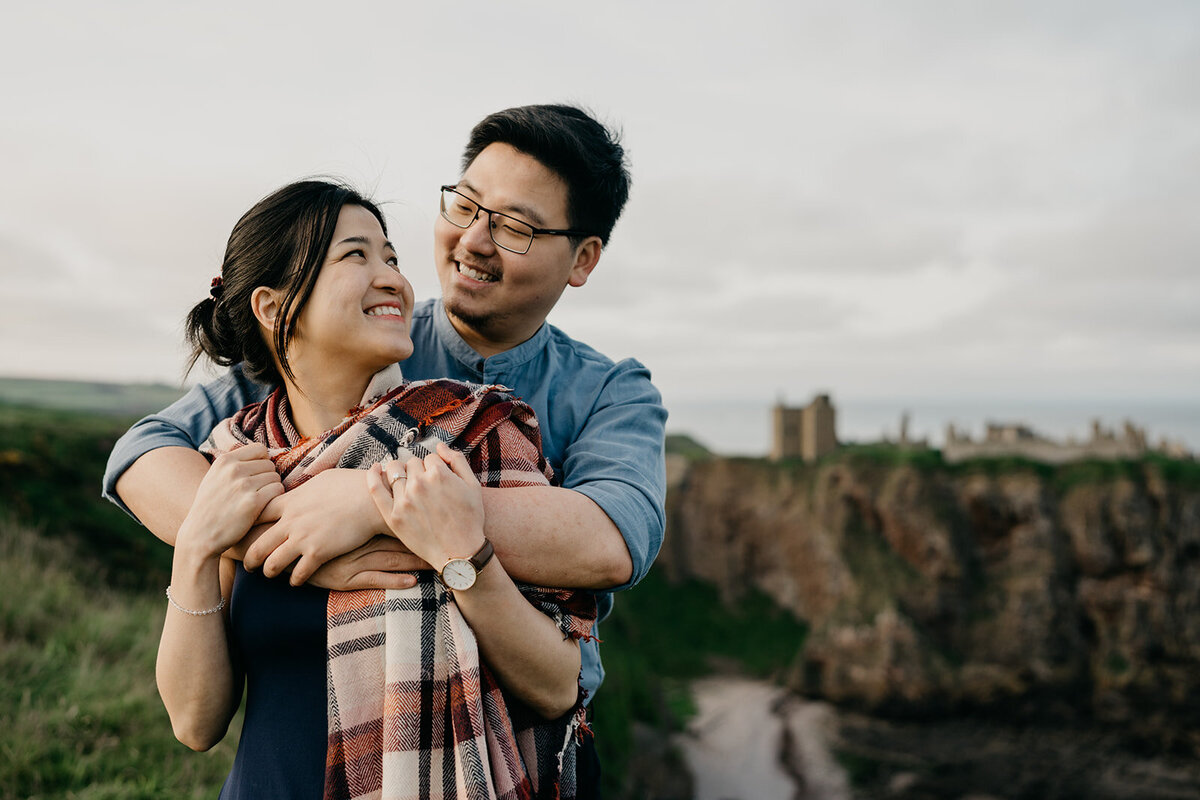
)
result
[(570, 142)]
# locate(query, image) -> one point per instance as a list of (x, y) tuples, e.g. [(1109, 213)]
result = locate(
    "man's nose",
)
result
[(478, 237)]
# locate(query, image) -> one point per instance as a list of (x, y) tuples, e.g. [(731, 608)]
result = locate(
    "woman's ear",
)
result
[(264, 302)]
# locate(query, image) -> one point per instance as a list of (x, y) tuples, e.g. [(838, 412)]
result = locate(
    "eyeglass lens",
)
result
[(507, 232)]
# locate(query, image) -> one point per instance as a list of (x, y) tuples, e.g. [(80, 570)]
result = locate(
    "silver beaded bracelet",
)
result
[(203, 613)]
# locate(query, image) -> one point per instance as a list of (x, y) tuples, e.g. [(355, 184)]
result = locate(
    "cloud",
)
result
[(866, 198)]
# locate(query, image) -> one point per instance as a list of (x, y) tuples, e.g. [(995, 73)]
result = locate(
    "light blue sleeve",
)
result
[(185, 423), (618, 461)]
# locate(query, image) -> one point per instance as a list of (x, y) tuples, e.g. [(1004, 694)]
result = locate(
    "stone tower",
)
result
[(819, 437), (807, 433)]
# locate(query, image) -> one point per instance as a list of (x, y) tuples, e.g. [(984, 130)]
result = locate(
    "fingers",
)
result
[(304, 569), (273, 511), (238, 551), (383, 580), (248, 452), (395, 474), (378, 489), (252, 457), (366, 580), (280, 559), (266, 544), (457, 461)]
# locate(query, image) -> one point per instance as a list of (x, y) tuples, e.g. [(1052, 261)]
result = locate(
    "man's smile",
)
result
[(476, 275)]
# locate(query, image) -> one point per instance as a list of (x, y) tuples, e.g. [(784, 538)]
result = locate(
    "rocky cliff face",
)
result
[(933, 590)]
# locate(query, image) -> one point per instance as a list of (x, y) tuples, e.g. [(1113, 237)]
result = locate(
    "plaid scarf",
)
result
[(412, 711)]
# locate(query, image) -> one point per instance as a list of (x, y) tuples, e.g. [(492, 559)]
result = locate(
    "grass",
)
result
[(93, 397), (686, 446), (51, 463), (82, 717)]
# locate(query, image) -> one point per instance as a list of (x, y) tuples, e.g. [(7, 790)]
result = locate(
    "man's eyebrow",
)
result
[(512, 208)]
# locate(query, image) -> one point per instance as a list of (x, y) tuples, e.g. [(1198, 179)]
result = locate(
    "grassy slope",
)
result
[(80, 617), (51, 463), (81, 715), (117, 399)]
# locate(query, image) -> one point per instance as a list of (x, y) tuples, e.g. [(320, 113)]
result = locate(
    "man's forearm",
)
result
[(550, 536), (160, 486), (546, 536)]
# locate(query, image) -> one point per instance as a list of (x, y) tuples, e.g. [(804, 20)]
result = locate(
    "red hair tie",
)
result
[(217, 287)]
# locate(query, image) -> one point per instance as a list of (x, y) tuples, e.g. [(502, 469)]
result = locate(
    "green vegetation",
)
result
[(888, 455), (1184, 474), (51, 463), (81, 613), (81, 715), (117, 399), (662, 635), (686, 446)]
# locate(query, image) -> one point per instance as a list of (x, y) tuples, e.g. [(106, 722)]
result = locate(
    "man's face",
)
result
[(498, 299)]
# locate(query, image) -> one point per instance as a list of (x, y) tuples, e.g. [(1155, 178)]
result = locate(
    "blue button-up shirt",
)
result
[(602, 426)]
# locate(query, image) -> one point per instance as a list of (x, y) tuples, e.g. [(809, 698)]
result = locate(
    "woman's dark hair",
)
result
[(569, 142), (280, 243)]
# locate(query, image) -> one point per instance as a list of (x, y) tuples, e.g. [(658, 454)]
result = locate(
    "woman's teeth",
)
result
[(385, 311)]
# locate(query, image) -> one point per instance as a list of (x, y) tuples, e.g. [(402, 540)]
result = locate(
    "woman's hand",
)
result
[(434, 506), (237, 487)]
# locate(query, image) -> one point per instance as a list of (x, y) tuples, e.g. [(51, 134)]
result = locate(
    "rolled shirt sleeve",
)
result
[(185, 423), (618, 462)]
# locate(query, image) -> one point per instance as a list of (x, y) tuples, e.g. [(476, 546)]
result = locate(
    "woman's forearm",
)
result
[(194, 669), (523, 647), (434, 507)]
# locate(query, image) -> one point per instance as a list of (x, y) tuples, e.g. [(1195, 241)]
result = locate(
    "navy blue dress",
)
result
[(279, 639)]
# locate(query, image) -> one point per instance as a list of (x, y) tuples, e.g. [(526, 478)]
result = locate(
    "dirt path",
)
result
[(753, 741)]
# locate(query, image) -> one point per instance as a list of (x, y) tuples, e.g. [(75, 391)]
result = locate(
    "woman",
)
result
[(361, 693)]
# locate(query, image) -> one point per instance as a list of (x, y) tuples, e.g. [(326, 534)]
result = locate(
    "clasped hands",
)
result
[(333, 534)]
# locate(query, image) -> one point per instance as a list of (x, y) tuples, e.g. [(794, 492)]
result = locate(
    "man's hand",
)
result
[(382, 563), (325, 517)]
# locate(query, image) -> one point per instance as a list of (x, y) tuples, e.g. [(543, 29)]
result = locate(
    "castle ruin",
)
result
[(1001, 440), (807, 433)]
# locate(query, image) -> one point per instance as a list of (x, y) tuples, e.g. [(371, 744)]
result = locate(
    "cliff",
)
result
[(930, 590)]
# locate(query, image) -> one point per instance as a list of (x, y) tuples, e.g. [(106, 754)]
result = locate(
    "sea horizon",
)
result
[(743, 427)]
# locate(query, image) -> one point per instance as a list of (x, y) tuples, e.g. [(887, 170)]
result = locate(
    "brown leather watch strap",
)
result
[(483, 556)]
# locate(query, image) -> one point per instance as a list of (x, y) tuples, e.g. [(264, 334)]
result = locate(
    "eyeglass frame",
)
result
[(492, 232)]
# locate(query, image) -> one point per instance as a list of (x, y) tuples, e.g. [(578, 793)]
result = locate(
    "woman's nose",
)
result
[(390, 279)]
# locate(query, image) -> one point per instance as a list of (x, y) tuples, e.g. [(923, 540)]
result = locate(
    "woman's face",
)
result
[(358, 314)]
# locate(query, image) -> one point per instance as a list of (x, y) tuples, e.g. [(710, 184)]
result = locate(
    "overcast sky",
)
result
[(891, 199)]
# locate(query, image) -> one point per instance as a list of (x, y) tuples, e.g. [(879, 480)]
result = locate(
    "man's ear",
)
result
[(264, 302), (587, 255)]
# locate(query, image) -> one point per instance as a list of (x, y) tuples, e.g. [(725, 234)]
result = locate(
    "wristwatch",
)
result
[(460, 573)]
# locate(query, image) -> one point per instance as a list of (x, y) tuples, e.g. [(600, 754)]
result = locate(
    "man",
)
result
[(541, 189)]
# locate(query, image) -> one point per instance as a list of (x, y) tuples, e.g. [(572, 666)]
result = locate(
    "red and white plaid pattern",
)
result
[(412, 712)]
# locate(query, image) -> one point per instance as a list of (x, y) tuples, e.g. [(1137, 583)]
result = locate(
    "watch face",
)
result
[(459, 574)]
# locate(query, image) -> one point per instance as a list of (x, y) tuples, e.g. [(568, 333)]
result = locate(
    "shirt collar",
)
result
[(466, 355)]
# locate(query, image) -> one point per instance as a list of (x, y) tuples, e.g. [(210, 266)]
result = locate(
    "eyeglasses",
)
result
[(509, 233)]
